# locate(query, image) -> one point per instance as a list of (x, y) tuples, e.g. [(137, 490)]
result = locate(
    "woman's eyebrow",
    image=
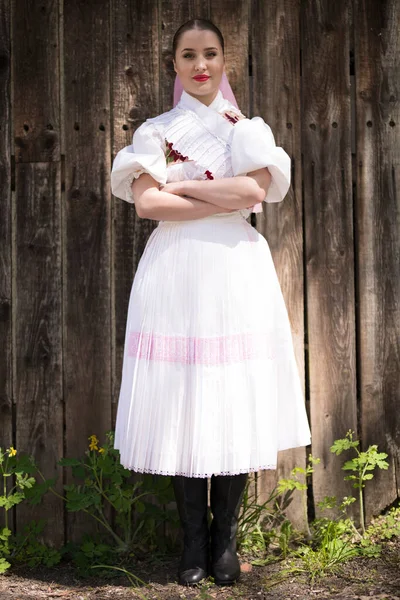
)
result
[(193, 50)]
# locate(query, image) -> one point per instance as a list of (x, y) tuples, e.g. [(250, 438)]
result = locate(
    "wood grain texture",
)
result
[(275, 54), (377, 73), (232, 18), (87, 252), (6, 405), (37, 305), (38, 362), (36, 81), (329, 252)]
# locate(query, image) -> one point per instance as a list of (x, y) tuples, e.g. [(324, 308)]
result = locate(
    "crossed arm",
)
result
[(186, 200)]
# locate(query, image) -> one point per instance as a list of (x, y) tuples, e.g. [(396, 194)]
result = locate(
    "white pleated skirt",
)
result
[(210, 383)]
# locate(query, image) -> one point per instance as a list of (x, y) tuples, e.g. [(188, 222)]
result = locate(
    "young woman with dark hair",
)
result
[(210, 386)]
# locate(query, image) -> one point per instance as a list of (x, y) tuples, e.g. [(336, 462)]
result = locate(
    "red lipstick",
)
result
[(201, 77)]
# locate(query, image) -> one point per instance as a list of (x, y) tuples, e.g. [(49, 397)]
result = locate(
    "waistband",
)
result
[(236, 216)]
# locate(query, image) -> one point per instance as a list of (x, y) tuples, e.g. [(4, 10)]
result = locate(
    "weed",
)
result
[(362, 466)]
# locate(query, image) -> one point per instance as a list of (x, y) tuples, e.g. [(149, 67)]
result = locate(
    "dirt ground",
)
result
[(359, 579)]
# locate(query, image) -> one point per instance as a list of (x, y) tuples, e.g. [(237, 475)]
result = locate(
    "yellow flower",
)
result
[(93, 442), (11, 451), (101, 450)]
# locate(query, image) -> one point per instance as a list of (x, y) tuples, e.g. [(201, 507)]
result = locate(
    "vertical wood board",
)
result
[(37, 304), (87, 227), (6, 401), (328, 235), (377, 74)]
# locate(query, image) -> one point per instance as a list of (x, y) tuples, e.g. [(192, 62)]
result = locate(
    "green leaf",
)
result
[(4, 565), (79, 471), (12, 500), (5, 534), (35, 494), (350, 465)]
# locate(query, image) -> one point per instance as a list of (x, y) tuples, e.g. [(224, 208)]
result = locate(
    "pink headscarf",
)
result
[(224, 86)]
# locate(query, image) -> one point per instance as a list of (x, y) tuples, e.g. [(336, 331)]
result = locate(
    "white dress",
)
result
[(210, 383)]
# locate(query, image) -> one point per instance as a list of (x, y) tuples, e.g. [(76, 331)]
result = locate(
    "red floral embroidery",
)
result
[(172, 155), (233, 117), (233, 120), (209, 175)]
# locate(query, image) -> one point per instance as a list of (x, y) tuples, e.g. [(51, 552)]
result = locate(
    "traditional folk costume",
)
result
[(210, 384)]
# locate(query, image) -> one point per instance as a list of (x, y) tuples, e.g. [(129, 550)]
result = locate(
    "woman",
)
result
[(210, 386)]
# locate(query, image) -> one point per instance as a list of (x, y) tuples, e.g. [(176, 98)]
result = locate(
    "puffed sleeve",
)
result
[(144, 155), (253, 147)]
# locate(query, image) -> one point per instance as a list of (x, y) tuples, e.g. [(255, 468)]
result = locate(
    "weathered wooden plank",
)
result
[(37, 307), (37, 301), (200, 9), (135, 70), (377, 74), (86, 301), (36, 131), (6, 412), (232, 18), (328, 235), (276, 97)]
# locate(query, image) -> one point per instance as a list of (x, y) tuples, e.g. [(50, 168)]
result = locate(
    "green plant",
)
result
[(362, 464), (260, 524), (253, 515), (293, 482), (18, 469), (19, 485), (383, 527), (29, 550), (102, 483), (331, 551), (318, 558)]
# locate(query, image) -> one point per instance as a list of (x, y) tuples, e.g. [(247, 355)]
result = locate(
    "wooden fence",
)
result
[(76, 79)]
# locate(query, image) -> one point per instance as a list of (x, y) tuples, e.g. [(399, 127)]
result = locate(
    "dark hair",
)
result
[(202, 24)]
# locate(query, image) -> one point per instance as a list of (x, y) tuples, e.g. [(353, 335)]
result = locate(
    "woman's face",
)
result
[(199, 63)]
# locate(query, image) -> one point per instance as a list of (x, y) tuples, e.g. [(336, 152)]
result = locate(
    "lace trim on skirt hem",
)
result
[(182, 473)]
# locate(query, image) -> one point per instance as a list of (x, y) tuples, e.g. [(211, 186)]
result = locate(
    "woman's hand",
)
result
[(177, 188), (151, 202), (172, 188), (241, 191)]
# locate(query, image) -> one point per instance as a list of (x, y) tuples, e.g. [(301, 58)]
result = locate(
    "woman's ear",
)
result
[(174, 63)]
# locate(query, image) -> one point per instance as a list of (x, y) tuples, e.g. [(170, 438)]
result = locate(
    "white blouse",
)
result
[(195, 141)]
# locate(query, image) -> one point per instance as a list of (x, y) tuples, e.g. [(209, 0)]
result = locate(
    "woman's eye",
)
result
[(211, 54), (188, 55)]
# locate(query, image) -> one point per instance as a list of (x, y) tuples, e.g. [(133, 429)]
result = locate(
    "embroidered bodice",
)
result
[(195, 141)]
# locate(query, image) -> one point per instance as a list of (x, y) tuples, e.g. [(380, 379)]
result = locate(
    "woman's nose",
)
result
[(200, 64)]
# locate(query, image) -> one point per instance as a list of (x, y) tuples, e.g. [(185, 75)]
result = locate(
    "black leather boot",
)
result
[(226, 498), (191, 500)]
